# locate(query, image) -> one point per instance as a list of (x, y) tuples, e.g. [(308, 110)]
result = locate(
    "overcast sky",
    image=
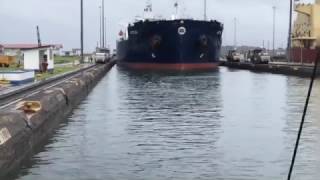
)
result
[(59, 20)]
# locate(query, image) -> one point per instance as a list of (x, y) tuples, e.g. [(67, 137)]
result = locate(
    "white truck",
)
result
[(234, 56), (102, 55), (257, 56)]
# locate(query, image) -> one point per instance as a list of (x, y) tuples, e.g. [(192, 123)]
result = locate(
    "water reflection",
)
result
[(211, 125), (172, 119)]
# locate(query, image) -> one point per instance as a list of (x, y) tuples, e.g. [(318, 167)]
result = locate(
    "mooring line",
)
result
[(313, 76)]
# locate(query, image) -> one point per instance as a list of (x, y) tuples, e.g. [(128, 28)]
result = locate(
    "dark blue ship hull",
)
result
[(175, 44)]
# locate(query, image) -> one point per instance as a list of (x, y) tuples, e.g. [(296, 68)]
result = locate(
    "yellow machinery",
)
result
[(5, 61)]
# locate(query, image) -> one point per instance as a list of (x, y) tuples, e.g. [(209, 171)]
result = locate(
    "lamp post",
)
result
[(103, 27), (205, 10), (81, 33), (105, 31), (235, 33), (100, 22), (290, 32), (274, 30)]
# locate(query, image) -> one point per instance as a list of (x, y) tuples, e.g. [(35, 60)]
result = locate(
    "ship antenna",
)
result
[(148, 10), (176, 5), (149, 6)]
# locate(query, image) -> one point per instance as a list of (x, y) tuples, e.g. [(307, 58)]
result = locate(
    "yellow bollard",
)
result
[(30, 107), (3, 81)]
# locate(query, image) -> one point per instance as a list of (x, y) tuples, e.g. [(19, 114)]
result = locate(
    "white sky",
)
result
[(59, 20)]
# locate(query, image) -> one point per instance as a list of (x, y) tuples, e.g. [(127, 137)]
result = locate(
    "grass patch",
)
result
[(57, 71), (65, 59), (11, 68)]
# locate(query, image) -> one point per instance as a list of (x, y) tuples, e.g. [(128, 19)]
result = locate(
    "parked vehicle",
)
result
[(234, 56), (257, 56), (102, 55)]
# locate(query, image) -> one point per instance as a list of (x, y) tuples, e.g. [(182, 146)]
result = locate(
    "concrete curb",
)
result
[(20, 133)]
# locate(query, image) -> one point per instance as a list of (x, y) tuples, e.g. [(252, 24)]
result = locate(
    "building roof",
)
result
[(29, 46), (37, 48)]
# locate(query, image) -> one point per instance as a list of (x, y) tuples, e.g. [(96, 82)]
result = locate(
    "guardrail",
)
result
[(10, 95)]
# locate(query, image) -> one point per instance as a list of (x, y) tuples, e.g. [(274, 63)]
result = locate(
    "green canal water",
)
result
[(228, 125)]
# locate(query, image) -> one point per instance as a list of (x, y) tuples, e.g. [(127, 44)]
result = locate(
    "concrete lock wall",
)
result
[(21, 133), (297, 70)]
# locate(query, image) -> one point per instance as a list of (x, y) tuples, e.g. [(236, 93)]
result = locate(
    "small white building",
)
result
[(34, 58)]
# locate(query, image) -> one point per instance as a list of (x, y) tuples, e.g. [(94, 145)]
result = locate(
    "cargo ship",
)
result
[(175, 44)]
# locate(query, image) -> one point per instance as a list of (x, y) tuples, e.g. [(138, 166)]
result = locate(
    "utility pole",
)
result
[(100, 22), (103, 43), (205, 10), (290, 32), (38, 36), (235, 33), (81, 59), (105, 31), (274, 30)]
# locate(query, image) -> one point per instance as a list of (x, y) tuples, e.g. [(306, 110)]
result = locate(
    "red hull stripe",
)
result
[(179, 67)]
